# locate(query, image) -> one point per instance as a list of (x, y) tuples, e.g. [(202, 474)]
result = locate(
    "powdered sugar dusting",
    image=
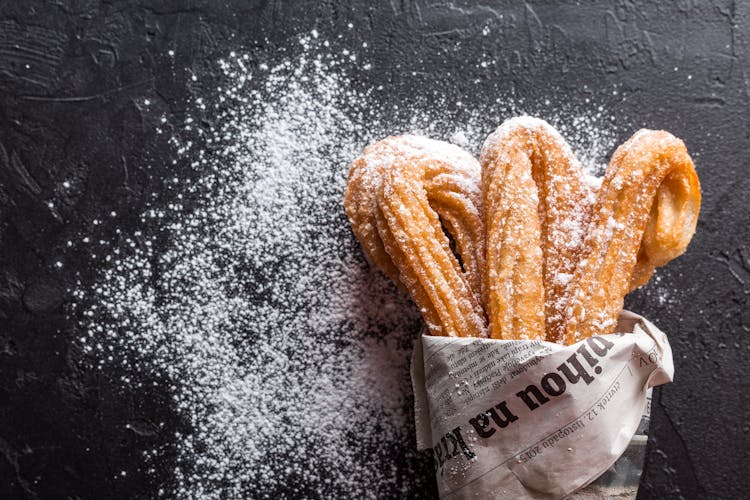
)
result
[(249, 300), (420, 146)]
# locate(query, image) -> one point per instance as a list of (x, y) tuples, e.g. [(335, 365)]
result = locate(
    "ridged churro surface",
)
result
[(404, 194), (522, 245), (536, 209), (645, 215)]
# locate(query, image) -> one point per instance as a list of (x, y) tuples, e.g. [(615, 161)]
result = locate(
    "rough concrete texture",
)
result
[(72, 75)]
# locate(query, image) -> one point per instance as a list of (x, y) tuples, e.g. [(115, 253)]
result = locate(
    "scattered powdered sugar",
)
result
[(659, 293), (459, 139), (249, 300)]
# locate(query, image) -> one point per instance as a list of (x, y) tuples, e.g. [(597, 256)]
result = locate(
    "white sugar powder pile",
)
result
[(285, 353)]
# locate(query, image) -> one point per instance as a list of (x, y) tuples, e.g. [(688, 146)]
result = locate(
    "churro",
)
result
[(402, 194), (644, 216), (521, 247), (536, 206)]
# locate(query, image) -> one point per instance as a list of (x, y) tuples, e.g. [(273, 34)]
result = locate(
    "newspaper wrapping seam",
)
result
[(533, 419)]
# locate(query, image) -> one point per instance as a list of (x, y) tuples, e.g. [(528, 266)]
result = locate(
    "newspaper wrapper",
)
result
[(533, 419)]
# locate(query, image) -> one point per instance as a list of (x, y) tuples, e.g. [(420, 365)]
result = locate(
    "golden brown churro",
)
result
[(536, 207), (401, 194), (539, 252), (645, 215)]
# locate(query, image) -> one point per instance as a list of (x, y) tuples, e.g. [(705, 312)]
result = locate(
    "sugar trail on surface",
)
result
[(285, 353)]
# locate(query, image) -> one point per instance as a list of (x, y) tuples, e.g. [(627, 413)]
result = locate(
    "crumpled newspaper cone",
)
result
[(533, 419)]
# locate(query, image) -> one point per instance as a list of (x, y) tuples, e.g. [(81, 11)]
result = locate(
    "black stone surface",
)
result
[(72, 75)]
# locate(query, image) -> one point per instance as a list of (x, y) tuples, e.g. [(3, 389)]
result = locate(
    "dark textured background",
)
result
[(72, 75)]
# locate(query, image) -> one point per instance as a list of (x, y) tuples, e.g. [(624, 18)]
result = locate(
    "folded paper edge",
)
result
[(421, 404)]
